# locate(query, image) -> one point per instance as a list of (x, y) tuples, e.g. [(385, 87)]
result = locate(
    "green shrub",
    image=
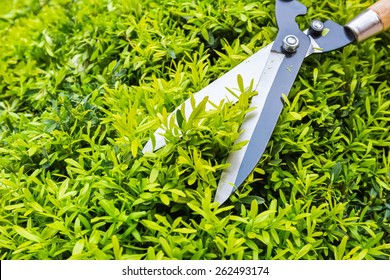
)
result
[(83, 86)]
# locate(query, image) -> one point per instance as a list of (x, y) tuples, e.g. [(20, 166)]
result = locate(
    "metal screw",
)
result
[(316, 26), (290, 43)]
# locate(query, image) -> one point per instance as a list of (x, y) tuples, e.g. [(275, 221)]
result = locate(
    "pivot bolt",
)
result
[(316, 27), (290, 43)]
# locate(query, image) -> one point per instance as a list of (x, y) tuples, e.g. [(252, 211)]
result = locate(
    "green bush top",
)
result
[(83, 85)]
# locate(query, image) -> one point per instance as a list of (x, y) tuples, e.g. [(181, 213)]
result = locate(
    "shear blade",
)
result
[(244, 160), (278, 76)]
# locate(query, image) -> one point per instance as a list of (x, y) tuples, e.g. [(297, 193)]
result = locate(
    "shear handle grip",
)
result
[(375, 20), (382, 8)]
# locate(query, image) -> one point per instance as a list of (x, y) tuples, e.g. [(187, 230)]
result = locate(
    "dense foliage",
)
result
[(83, 85)]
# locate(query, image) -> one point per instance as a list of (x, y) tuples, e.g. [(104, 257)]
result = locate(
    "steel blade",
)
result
[(250, 69), (278, 77), (229, 180)]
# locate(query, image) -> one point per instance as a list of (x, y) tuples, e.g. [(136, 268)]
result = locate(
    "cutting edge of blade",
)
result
[(228, 181)]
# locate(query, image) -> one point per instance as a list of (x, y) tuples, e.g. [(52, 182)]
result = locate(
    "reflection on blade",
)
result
[(250, 69), (278, 77), (229, 178)]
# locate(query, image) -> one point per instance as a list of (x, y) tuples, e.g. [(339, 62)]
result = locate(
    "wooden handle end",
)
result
[(382, 8)]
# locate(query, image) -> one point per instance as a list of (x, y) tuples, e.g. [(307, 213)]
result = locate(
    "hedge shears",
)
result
[(274, 70)]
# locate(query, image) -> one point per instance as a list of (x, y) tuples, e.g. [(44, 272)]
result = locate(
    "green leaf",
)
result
[(136, 215), (27, 234), (151, 254), (180, 118), (315, 75), (197, 112), (325, 32), (341, 248), (275, 236), (153, 175), (185, 230), (153, 226), (166, 247), (165, 199), (78, 247), (108, 207), (303, 251), (240, 83), (116, 247), (296, 116), (205, 34), (336, 170)]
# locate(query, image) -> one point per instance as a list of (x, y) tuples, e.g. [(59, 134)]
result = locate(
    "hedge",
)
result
[(83, 86)]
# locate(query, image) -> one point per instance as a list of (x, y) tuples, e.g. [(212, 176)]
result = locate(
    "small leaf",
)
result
[(240, 83), (296, 116), (197, 112), (325, 32), (179, 118), (136, 215), (27, 234), (154, 226), (275, 236), (78, 247), (336, 170), (165, 199), (315, 75), (192, 178), (303, 251), (185, 230), (341, 248), (166, 247), (116, 247), (151, 253), (252, 199), (108, 207), (134, 148), (153, 175), (205, 34)]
